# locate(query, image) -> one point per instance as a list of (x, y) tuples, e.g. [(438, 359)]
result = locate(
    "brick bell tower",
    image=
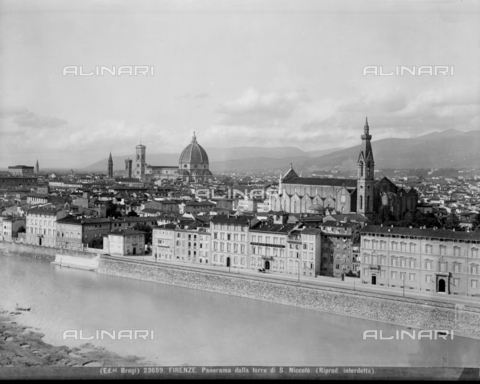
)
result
[(366, 175)]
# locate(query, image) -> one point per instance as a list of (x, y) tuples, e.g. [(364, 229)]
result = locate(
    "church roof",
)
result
[(290, 174), (349, 183), (194, 153)]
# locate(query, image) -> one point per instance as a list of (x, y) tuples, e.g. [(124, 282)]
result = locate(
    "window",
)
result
[(475, 252), (473, 283), (402, 275), (394, 261), (443, 250), (428, 249), (412, 263), (474, 269), (456, 251), (428, 265), (428, 278), (365, 272), (411, 277), (456, 267), (443, 267), (456, 282), (413, 247)]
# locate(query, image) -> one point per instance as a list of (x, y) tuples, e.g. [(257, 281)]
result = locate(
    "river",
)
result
[(203, 328)]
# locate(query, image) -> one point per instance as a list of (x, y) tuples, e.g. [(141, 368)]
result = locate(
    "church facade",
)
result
[(363, 195)]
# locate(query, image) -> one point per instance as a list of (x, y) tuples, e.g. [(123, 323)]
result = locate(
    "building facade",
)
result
[(125, 243), (430, 260), (41, 226)]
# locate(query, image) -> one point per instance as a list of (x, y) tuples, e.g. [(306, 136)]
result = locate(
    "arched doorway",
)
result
[(267, 264), (228, 261), (441, 285), (134, 251), (40, 241)]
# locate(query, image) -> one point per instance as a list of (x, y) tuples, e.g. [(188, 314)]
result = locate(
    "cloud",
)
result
[(24, 118), (253, 108)]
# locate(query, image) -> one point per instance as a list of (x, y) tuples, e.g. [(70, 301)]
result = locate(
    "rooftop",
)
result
[(423, 232)]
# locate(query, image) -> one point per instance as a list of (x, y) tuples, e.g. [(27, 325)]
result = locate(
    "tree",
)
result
[(476, 221), (96, 243), (132, 214), (112, 210), (452, 222)]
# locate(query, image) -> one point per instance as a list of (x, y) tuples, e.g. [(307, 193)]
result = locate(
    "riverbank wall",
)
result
[(41, 253), (409, 312), (464, 320)]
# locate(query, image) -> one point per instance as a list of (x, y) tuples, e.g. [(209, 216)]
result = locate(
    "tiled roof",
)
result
[(419, 232), (223, 219), (267, 227), (349, 183)]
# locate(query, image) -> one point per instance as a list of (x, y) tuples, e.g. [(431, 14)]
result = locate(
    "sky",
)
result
[(237, 72)]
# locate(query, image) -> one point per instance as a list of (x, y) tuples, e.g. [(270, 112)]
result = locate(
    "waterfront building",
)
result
[(339, 252), (41, 226), (9, 227), (128, 242), (230, 240), (79, 233), (163, 242), (432, 260), (21, 170)]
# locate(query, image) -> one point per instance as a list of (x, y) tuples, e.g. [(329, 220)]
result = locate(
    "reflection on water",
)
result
[(203, 328)]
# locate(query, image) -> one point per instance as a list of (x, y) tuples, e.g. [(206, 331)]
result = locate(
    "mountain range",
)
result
[(447, 149)]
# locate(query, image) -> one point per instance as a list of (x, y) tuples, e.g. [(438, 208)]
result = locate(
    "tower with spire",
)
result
[(37, 168), (110, 167), (366, 174)]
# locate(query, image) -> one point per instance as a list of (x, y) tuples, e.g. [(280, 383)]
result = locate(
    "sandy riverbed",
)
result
[(22, 346)]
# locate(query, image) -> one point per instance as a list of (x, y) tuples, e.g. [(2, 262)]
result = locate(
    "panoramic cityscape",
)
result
[(174, 218)]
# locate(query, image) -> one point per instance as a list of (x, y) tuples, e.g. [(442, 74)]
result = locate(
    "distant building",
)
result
[(193, 164), (140, 162), (7, 182), (363, 195), (128, 168), (21, 170)]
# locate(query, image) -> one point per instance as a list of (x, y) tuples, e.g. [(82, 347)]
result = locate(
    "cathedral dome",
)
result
[(194, 154)]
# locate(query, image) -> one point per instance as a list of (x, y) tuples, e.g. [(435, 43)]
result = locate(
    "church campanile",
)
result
[(366, 175)]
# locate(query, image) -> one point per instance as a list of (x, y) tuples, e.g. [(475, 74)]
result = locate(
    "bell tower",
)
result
[(140, 162), (365, 175)]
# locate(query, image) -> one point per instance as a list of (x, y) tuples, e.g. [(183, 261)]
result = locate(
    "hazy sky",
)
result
[(257, 73)]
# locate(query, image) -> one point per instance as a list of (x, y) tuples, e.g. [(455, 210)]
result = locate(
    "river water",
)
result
[(203, 328)]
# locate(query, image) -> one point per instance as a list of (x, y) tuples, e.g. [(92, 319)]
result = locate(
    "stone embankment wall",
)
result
[(408, 312), (39, 252)]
